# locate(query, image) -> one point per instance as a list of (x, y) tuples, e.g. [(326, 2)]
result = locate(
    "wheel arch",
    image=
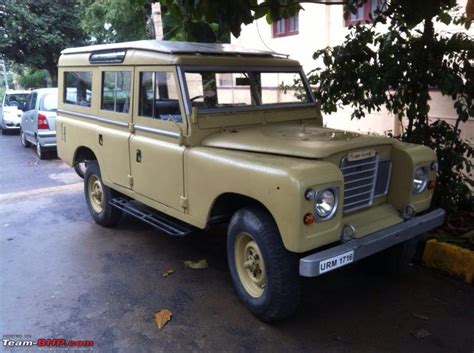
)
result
[(83, 153), (226, 204)]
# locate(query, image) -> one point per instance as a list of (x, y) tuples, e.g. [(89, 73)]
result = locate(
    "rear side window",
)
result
[(78, 88), (159, 96), (50, 102), (116, 91)]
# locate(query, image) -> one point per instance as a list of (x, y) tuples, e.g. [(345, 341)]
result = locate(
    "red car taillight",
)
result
[(42, 122)]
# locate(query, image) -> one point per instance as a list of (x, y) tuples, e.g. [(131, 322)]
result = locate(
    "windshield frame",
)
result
[(237, 69)]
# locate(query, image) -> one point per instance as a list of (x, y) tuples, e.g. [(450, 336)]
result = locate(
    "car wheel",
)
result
[(265, 275), (80, 168), (98, 197), (24, 142), (40, 151)]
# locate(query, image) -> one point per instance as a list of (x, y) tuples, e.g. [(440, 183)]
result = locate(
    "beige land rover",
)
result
[(186, 135)]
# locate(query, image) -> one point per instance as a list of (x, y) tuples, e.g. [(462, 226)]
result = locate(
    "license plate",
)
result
[(335, 262)]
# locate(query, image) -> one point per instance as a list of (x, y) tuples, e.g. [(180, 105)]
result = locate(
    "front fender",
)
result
[(277, 182)]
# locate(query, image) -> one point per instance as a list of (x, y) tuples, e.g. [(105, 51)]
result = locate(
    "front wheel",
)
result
[(24, 142), (98, 197), (265, 275)]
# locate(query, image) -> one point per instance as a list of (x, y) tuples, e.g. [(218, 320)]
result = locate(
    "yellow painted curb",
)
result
[(449, 258)]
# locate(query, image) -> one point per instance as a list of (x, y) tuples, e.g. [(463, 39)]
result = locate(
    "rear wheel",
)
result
[(24, 142), (265, 275), (98, 197)]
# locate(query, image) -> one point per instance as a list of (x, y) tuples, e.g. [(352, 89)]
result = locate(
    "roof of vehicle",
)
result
[(17, 91), (174, 47), (161, 52), (46, 90)]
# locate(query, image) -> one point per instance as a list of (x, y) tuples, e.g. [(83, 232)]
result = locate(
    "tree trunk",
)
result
[(53, 73)]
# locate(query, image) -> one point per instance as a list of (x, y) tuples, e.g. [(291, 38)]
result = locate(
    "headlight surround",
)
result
[(420, 179), (325, 203)]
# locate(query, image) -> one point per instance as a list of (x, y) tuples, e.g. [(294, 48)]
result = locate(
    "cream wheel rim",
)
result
[(250, 265), (96, 193)]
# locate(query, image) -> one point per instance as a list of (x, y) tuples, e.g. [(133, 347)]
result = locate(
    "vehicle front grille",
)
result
[(363, 180)]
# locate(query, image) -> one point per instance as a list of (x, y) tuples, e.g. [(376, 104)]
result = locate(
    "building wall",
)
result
[(321, 26)]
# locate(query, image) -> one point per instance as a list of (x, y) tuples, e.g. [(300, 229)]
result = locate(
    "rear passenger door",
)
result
[(113, 129), (156, 156), (28, 117)]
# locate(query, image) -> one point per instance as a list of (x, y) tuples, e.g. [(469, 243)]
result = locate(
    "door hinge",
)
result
[(131, 128), (130, 180), (184, 201)]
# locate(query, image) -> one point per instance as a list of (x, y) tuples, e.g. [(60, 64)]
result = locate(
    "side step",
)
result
[(152, 217)]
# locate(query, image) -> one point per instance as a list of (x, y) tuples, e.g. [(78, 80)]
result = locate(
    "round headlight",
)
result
[(420, 180), (325, 204)]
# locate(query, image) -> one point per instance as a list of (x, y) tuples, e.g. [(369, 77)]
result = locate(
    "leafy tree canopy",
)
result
[(33, 32), (397, 68)]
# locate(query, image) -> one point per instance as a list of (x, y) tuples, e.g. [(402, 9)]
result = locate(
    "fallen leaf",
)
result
[(162, 317), (420, 316), (196, 265), (167, 273), (421, 333)]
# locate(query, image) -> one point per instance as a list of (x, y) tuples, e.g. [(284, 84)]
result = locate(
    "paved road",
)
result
[(62, 276)]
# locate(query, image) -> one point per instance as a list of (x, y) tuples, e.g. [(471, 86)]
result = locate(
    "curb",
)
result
[(450, 259)]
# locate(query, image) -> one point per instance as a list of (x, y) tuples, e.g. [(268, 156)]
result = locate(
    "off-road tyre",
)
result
[(282, 285), (101, 210)]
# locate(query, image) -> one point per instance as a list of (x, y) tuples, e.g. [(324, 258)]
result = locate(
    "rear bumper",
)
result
[(47, 139), (340, 255)]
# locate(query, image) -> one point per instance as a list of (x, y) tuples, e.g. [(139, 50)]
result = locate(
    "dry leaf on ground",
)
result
[(162, 317), (421, 333), (167, 273), (196, 265)]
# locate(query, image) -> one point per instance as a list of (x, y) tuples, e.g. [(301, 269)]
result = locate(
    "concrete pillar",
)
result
[(157, 22)]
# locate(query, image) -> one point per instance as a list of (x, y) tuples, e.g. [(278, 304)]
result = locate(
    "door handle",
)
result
[(101, 140), (139, 156)]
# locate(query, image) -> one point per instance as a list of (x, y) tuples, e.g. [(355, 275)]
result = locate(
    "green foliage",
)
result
[(33, 32), (108, 21), (395, 68), (31, 79)]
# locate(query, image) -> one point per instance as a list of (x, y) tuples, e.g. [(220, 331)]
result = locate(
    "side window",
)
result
[(78, 88), (159, 96), (32, 101), (116, 91)]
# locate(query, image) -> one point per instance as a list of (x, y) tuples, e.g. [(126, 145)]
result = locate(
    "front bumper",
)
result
[(10, 126), (340, 255)]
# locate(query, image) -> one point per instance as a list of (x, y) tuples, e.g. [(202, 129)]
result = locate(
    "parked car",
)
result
[(205, 133), (38, 122), (13, 106)]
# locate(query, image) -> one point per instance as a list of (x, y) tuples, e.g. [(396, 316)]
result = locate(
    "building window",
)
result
[(366, 12), (286, 27), (116, 91), (78, 88)]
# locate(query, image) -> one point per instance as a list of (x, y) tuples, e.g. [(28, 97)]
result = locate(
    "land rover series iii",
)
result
[(185, 135)]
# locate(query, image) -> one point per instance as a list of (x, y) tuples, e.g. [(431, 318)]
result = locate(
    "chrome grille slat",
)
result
[(356, 202), (358, 165), (359, 172), (360, 176)]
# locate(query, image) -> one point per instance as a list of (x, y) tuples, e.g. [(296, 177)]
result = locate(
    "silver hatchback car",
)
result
[(38, 122)]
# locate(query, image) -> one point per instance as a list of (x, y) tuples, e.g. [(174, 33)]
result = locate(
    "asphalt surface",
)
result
[(63, 276)]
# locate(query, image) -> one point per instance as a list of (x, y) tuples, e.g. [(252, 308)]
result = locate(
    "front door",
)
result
[(156, 156)]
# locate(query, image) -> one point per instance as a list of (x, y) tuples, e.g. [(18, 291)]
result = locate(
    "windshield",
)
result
[(16, 100), (234, 89)]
